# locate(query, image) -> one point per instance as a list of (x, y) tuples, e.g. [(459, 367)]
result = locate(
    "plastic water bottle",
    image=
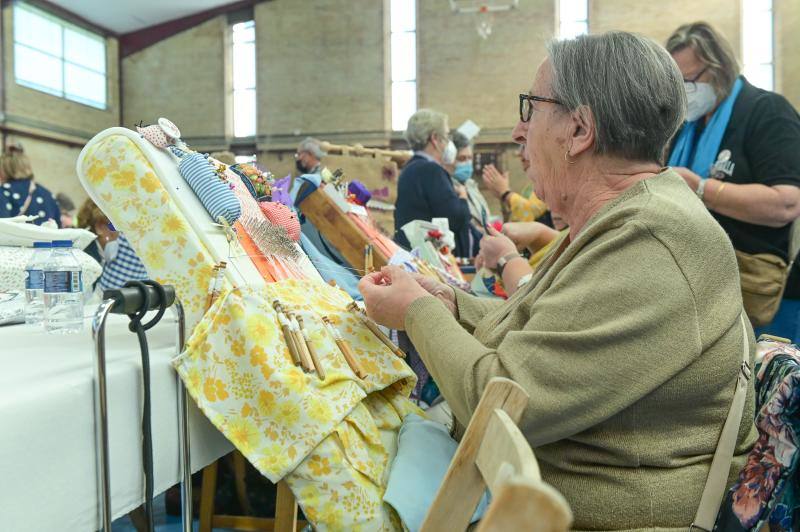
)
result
[(63, 290), (34, 283)]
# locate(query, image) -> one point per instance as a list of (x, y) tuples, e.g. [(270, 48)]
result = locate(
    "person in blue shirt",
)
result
[(19, 194), (424, 188)]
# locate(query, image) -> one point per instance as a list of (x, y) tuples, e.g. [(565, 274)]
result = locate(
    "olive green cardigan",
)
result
[(629, 344)]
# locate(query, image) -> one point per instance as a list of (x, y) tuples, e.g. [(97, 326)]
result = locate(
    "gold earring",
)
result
[(566, 158)]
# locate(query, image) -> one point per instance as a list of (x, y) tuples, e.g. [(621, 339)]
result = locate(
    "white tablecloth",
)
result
[(48, 478)]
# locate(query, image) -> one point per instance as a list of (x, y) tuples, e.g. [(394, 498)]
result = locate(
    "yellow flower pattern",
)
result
[(331, 440)]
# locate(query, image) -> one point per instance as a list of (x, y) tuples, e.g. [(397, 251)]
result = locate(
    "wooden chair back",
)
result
[(493, 453)]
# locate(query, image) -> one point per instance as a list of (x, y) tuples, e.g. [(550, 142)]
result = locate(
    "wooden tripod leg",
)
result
[(207, 492), (239, 473), (285, 509)]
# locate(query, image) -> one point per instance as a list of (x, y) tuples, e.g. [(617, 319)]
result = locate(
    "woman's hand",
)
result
[(461, 191), (521, 233), (692, 179), (444, 293), (496, 182), (530, 235), (388, 294), (494, 246)]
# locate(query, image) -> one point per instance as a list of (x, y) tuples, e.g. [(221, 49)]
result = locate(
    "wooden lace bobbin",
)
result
[(287, 333), (299, 341), (310, 348), (212, 287), (344, 347), (372, 326)]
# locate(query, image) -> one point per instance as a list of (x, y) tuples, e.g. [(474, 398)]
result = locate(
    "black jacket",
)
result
[(425, 191)]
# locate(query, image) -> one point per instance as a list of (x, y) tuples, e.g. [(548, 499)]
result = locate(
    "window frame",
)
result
[(64, 26)]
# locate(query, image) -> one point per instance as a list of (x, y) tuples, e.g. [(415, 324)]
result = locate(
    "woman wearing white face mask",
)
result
[(740, 152), (424, 188), (462, 176)]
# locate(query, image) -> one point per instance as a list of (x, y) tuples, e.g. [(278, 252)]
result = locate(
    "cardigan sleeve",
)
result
[(604, 335), (471, 309)]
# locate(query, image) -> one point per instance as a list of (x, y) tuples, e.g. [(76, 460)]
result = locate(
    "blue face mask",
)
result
[(463, 171)]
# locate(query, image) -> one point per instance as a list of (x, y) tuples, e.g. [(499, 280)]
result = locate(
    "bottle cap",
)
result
[(62, 243), (40, 245)]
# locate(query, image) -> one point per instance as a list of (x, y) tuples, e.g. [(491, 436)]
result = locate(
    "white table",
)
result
[(48, 478)]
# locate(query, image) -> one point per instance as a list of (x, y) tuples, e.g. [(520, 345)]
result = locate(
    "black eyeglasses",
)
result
[(691, 84), (526, 105)]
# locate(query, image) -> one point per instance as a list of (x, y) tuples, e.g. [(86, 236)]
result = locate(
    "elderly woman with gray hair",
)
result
[(629, 337), (740, 152), (424, 188)]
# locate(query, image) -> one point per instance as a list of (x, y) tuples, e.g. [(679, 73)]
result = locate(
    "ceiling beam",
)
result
[(135, 41)]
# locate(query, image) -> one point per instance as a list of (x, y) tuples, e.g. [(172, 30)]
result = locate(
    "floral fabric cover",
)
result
[(331, 440), (768, 488)]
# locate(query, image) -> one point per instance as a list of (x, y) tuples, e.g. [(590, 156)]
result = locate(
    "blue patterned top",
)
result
[(14, 193)]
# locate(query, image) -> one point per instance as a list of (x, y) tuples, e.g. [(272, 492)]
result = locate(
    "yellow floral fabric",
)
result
[(331, 440), (324, 437), (525, 208), (127, 189)]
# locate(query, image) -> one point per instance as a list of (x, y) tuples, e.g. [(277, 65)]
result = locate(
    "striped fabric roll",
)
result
[(215, 195), (125, 267)]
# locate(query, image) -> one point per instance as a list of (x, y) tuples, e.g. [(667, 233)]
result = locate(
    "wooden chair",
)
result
[(285, 519), (493, 453)]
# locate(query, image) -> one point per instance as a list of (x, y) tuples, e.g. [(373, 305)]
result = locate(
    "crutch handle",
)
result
[(130, 300)]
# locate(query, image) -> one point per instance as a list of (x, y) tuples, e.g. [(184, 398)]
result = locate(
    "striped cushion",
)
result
[(215, 195)]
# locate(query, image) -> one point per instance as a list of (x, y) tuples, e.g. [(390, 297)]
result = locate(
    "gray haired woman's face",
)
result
[(546, 139)]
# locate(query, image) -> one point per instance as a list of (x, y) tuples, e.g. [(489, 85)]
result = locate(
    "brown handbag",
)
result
[(763, 278)]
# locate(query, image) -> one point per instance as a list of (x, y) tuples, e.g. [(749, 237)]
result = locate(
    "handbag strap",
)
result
[(717, 479)]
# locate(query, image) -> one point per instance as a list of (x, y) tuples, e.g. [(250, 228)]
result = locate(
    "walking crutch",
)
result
[(135, 300)]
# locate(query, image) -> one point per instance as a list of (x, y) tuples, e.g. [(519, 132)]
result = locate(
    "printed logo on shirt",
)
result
[(723, 167)]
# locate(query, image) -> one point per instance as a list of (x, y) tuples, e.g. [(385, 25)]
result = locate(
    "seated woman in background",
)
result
[(629, 337), (19, 194), (111, 249), (424, 188), (524, 207), (462, 176)]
